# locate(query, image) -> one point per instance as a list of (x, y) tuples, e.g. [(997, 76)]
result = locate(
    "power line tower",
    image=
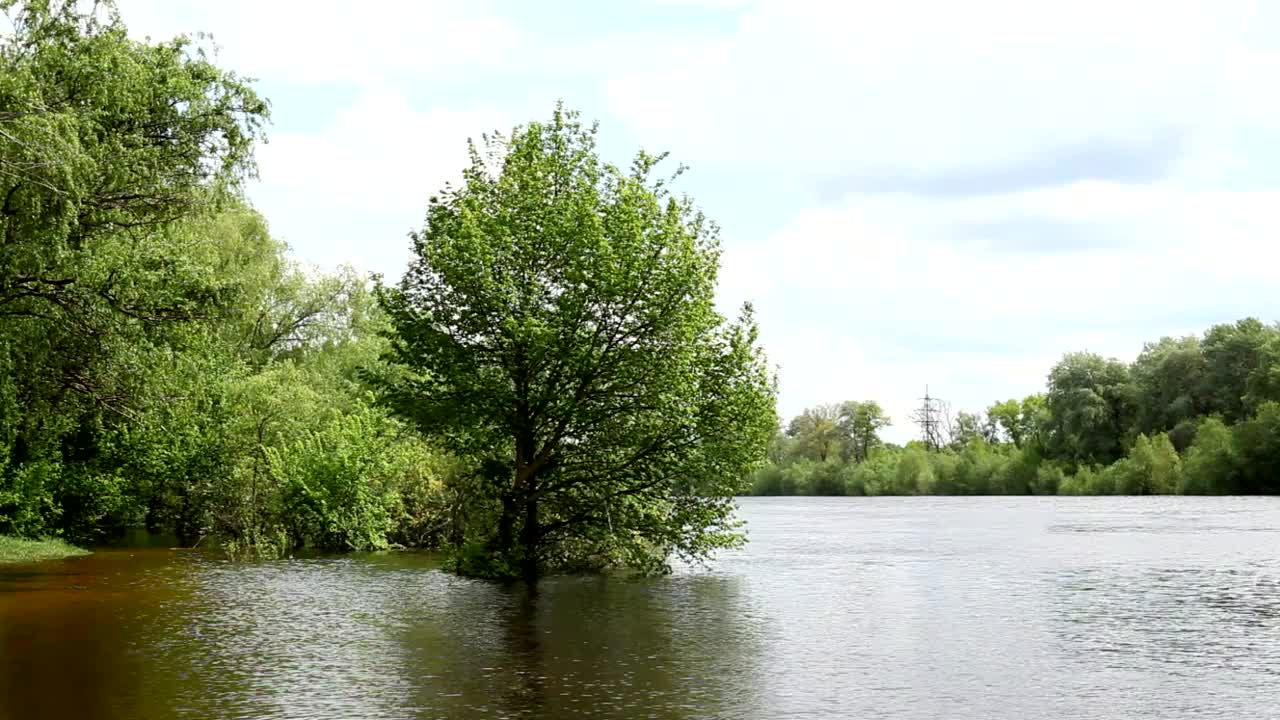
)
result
[(929, 418)]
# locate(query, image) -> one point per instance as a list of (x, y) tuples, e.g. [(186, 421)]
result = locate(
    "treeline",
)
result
[(162, 362), (1191, 415)]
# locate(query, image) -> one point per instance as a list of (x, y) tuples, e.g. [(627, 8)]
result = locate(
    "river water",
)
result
[(948, 608)]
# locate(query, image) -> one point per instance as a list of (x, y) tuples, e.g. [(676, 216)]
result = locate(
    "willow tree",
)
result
[(111, 149), (558, 320)]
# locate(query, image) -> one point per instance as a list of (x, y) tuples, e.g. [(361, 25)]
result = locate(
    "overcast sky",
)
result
[(910, 192)]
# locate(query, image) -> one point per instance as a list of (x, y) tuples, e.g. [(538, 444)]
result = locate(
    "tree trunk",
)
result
[(530, 534), (503, 541)]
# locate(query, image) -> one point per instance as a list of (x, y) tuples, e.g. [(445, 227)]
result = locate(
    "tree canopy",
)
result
[(558, 321)]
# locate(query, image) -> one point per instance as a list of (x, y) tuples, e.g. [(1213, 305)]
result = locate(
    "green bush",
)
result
[(768, 480), (874, 476), (914, 474), (337, 484), (826, 479), (1049, 480), (27, 504), (1209, 467), (1257, 448)]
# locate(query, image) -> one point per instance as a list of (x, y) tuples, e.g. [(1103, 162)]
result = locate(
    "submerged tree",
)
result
[(558, 322)]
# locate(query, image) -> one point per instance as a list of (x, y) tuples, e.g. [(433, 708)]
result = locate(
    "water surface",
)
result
[(839, 608)]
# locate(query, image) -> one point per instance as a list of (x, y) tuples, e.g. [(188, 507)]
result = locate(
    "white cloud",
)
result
[(926, 86), (334, 41), (352, 191)]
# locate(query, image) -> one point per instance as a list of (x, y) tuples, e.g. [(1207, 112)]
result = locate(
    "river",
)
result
[(950, 608)]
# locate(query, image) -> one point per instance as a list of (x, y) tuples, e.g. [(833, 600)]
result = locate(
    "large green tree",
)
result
[(1090, 408), (817, 433), (558, 320), (111, 150), (862, 422), (1019, 420), (1170, 381), (1233, 353)]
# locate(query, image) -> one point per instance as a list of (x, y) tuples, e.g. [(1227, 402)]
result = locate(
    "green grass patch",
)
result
[(18, 550)]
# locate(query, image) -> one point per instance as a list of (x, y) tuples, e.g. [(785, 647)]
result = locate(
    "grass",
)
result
[(18, 550)]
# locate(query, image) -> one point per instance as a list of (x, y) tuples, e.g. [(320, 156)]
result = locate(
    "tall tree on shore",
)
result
[(817, 432), (1090, 408), (1233, 354), (112, 150), (862, 422), (558, 320)]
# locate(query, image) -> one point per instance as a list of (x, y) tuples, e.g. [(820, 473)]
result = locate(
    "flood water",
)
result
[(839, 608)]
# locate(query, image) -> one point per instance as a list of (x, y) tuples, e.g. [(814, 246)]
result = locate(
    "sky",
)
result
[(911, 193)]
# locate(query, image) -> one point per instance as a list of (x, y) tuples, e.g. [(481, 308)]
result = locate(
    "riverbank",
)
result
[(18, 550)]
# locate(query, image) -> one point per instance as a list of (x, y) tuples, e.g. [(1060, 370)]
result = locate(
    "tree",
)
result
[(1233, 353), (1263, 384), (112, 152), (1019, 421), (1152, 468), (1090, 408), (1170, 380), (1257, 446), (817, 432), (969, 427), (861, 422), (1209, 467), (104, 139), (558, 322)]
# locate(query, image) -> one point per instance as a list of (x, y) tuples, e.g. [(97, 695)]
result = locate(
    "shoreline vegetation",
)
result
[(22, 550), (1196, 415)]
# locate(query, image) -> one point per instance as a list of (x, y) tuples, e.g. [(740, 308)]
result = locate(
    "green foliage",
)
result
[(1049, 480), (1170, 380), (817, 433), (27, 504), (914, 474), (1152, 468), (1210, 463), (860, 424), (1019, 422), (337, 484), (1102, 428), (1257, 447), (804, 477), (771, 480), (1234, 353), (875, 475), (1263, 383), (162, 363), (558, 320), (1090, 408)]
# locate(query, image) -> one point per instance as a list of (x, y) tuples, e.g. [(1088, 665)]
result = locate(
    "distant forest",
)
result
[(1192, 415)]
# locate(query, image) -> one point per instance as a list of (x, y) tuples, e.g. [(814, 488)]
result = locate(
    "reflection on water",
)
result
[(874, 608), (180, 635)]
